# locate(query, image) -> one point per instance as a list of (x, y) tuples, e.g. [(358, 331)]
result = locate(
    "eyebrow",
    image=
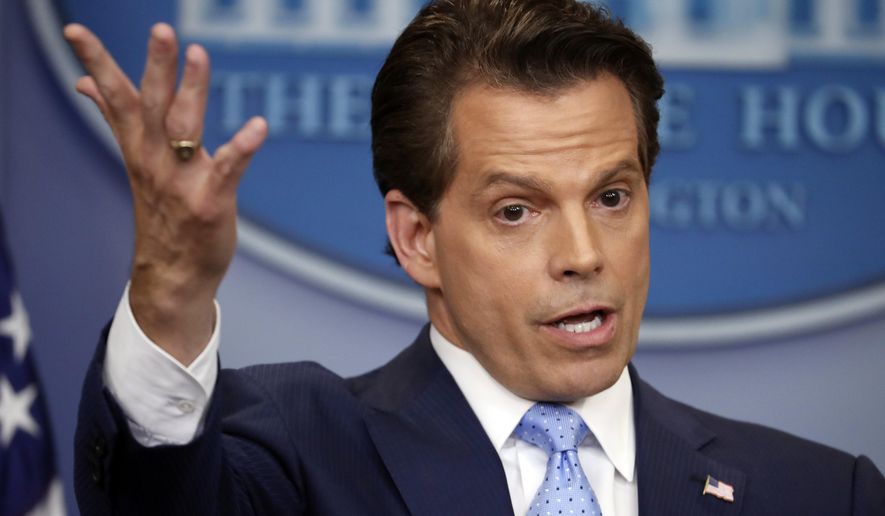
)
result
[(623, 166), (507, 178), (539, 185)]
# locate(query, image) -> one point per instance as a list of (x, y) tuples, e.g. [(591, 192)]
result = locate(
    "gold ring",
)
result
[(185, 149)]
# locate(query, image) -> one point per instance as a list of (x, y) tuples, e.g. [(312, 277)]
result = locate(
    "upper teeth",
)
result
[(582, 327)]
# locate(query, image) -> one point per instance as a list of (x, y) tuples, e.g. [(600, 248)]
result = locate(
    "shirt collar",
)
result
[(608, 414)]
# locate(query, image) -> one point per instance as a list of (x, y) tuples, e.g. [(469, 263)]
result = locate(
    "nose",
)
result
[(574, 245)]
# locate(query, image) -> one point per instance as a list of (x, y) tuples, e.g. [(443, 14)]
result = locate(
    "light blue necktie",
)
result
[(558, 430)]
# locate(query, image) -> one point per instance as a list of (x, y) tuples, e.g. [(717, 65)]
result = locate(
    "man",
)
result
[(513, 142)]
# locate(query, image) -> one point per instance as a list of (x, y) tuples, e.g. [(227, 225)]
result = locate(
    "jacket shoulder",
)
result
[(749, 444), (781, 467)]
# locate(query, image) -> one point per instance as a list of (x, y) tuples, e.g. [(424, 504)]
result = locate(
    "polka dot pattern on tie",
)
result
[(558, 430)]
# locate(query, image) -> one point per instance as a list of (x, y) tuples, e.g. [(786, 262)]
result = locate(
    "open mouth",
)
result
[(584, 322)]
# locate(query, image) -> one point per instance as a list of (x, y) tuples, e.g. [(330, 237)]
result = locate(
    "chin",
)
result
[(583, 382)]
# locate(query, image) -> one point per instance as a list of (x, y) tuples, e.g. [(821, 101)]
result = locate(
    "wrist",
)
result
[(176, 314)]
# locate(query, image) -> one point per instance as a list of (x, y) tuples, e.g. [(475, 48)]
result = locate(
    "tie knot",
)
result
[(552, 427)]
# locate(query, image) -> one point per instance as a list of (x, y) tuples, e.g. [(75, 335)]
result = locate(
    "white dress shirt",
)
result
[(607, 455), (165, 402)]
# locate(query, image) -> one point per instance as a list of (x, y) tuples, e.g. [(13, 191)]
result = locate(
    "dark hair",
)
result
[(537, 46)]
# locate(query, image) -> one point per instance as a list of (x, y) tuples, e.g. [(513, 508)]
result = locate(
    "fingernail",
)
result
[(192, 54), (69, 30), (161, 30), (256, 130), (162, 35), (259, 124)]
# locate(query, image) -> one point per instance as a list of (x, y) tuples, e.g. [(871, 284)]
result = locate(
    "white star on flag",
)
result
[(17, 328), (15, 411), (29, 482)]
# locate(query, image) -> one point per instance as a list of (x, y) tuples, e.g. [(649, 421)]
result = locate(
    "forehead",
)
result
[(591, 122)]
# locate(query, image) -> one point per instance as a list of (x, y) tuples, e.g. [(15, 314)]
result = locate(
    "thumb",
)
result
[(232, 158)]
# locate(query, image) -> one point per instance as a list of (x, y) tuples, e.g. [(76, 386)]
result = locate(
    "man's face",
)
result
[(541, 241)]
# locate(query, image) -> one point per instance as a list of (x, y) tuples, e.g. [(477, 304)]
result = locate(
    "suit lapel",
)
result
[(670, 463), (442, 461), (431, 442)]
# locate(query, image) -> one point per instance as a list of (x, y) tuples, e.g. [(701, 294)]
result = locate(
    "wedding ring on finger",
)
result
[(185, 149)]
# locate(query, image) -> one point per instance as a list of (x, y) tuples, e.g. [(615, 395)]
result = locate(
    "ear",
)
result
[(411, 236)]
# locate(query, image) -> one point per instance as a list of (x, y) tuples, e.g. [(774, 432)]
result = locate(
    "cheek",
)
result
[(484, 277), (632, 264), (625, 247)]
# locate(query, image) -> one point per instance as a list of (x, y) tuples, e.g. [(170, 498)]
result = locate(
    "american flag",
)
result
[(719, 489), (29, 485)]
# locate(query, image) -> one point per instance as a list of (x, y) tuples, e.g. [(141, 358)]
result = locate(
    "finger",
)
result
[(184, 119), (232, 158), (86, 86), (117, 91), (158, 81)]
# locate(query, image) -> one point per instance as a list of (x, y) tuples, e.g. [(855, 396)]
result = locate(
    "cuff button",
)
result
[(99, 448), (186, 407)]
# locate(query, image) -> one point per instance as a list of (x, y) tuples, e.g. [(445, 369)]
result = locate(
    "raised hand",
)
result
[(185, 207)]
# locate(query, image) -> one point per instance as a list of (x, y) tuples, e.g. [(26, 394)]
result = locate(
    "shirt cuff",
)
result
[(164, 401)]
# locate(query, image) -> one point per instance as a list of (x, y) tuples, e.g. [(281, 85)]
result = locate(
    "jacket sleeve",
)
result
[(248, 467), (869, 489)]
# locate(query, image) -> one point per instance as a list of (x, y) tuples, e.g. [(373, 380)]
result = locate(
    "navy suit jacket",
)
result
[(298, 439)]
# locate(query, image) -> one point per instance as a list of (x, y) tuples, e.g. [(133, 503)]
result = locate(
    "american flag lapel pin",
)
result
[(719, 489)]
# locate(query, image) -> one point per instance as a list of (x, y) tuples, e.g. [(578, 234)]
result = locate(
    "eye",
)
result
[(613, 198), (513, 212)]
